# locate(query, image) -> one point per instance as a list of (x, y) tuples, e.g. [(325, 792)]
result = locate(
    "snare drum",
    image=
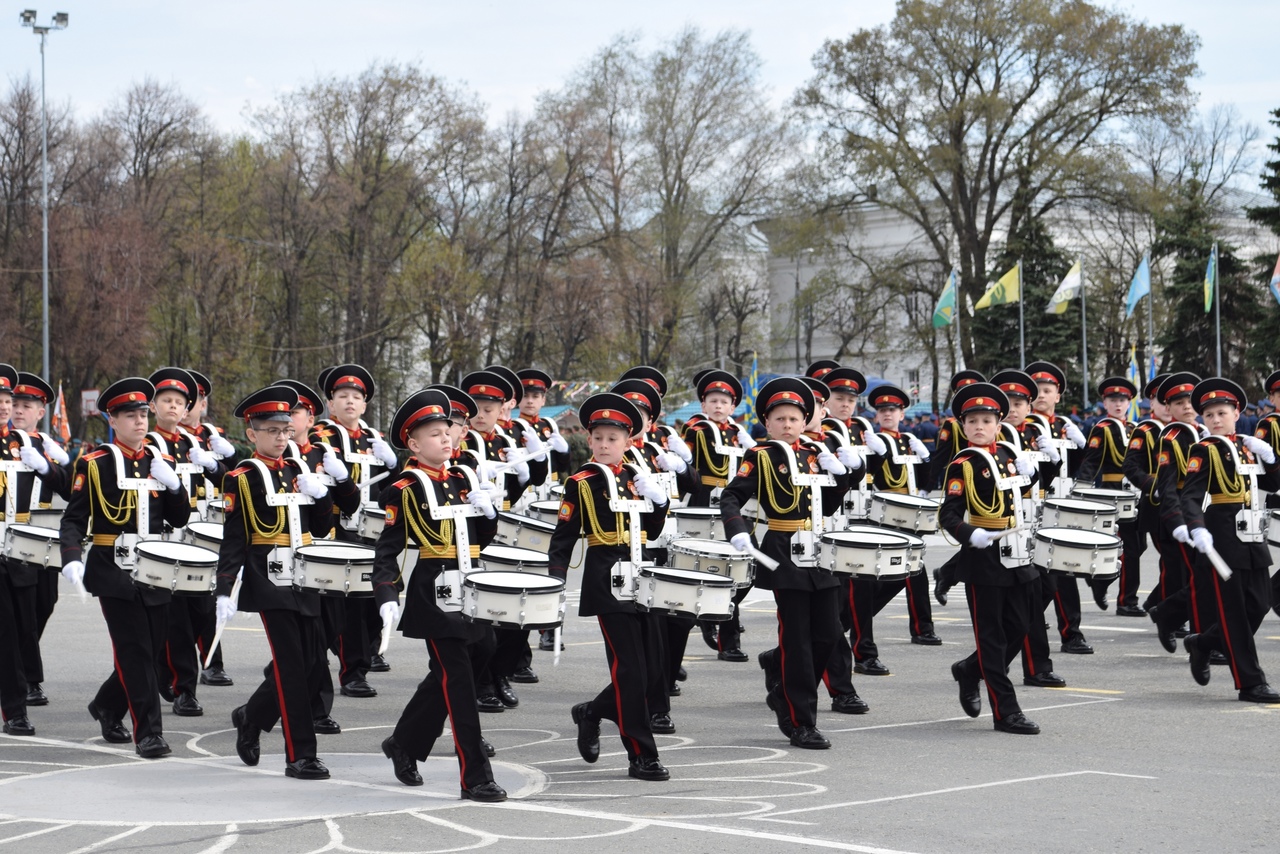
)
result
[(344, 569), (514, 559), (524, 532), (904, 512), (217, 511), (513, 600), (33, 544), (1080, 513), (46, 517), (683, 591), (873, 553), (1125, 502), (547, 511), (1273, 536), (1089, 554), (699, 523), (180, 568), (916, 544), (204, 534), (711, 556), (372, 521)]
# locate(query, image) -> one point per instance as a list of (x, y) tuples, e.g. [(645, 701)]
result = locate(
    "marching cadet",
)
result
[(1268, 430), (1140, 470), (135, 613), (867, 595), (977, 507), (951, 440), (421, 426), (848, 432), (253, 532), (47, 475), (349, 388), (664, 436), (13, 682), (536, 385), (1232, 525), (632, 647), (806, 594)]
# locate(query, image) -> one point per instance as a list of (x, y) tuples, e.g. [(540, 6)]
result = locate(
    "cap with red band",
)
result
[(1217, 390), (127, 394), (273, 403), (980, 397), (347, 376), (785, 391), (32, 387), (421, 407), (488, 385), (460, 403), (719, 382), (1016, 383), (609, 409)]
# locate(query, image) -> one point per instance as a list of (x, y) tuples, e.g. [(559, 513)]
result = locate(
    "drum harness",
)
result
[(806, 545), (453, 531), (280, 558), (1017, 553), (1251, 520)]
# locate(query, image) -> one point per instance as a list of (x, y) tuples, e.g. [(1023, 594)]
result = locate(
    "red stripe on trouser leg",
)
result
[(853, 617), (1065, 626), (1191, 586), (284, 713), (173, 671), (617, 693), (977, 645), (444, 688), (1226, 631), (115, 662)]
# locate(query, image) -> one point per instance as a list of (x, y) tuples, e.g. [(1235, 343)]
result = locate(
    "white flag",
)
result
[(1066, 292)]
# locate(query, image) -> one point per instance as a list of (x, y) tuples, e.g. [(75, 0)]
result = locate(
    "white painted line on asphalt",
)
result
[(225, 842), (34, 833), (1088, 702), (782, 820), (95, 846), (1128, 629)]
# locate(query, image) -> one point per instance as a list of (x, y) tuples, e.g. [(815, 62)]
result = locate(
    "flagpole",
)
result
[(1217, 300), (957, 358), (1022, 331), (1084, 342), (1151, 316)]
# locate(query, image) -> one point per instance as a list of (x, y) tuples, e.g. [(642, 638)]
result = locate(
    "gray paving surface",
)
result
[(1134, 757)]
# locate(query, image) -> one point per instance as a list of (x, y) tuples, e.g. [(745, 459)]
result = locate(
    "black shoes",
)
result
[(734, 654), (1263, 693), (358, 688), (216, 676), (1130, 611), (1100, 596), (661, 724), (19, 725), (326, 726), (307, 768), (489, 703), (647, 768), (547, 641), (485, 793), (970, 697), (939, 590), (1018, 724), (1199, 659), (379, 664), (153, 747), (681, 674), (36, 695), (1045, 680), (1164, 631), (525, 676), (247, 735), (849, 704), (926, 639), (588, 732), (774, 700), (1216, 657), (506, 696), (808, 738), (405, 766), (113, 730), (487, 747), (871, 667), (674, 690), (709, 635), (1077, 646), (772, 670), (187, 706)]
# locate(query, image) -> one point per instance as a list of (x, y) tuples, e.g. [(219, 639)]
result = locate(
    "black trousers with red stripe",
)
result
[(676, 641), (13, 683), (1036, 658), (1066, 604), (1167, 582), (449, 691), (808, 629), (1239, 605), (1134, 544), (839, 673), (868, 597), (136, 631), (180, 657), (1000, 616), (361, 628), (636, 672), (295, 674), (1187, 600)]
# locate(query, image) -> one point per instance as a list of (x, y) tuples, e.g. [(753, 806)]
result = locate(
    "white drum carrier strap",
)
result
[(459, 513), (1015, 549), (13, 468), (809, 540), (1251, 521)]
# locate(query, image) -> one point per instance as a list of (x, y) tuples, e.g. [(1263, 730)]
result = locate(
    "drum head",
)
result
[(915, 540), (210, 531), (35, 532), (912, 501), (1098, 492), (512, 555), (172, 552), (695, 512), (1077, 537), (337, 553), (546, 508), (502, 581), (713, 548), (529, 521), (866, 539), (686, 576), (218, 504), (1080, 505), (375, 511)]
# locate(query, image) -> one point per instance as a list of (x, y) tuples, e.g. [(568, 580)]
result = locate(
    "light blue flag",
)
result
[(1138, 288)]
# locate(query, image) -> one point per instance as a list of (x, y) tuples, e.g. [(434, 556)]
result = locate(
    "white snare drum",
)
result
[(1273, 535), (514, 559), (684, 591), (33, 544), (180, 568), (204, 534), (904, 512), (372, 521), (344, 569), (513, 600), (1125, 502), (1087, 554), (916, 544), (878, 554), (46, 517), (711, 556), (217, 511), (524, 532), (700, 523), (1080, 513), (547, 511)]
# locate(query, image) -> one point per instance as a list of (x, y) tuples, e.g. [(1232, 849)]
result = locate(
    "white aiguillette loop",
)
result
[(291, 501), (457, 512)]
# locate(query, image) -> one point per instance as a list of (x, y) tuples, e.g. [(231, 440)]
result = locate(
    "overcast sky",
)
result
[(226, 53)]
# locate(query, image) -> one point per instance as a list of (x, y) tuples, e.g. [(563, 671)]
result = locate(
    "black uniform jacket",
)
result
[(1211, 470), (970, 486)]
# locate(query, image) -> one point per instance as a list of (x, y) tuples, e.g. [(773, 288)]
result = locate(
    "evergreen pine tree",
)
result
[(1261, 357)]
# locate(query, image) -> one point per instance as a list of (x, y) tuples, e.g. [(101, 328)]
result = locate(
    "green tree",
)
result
[(1261, 356)]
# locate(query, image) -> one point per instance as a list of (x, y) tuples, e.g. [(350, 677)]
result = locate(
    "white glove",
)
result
[(33, 458), (1202, 540), (54, 452), (849, 457), (221, 446), (649, 488), (1182, 535), (741, 542), (390, 612), (333, 466), (744, 436), (480, 500), (923, 493), (668, 461), (981, 538), (917, 447), (875, 444), (831, 464), (1260, 449), (558, 443), (488, 470), (225, 609), (309, 483), (200, 457), (1074, 434), (496, 492), (522, 473), (1025, 467), (164, 473), (1044, 446), (383, 452), (73, 572), (534, 445), (680, 448)]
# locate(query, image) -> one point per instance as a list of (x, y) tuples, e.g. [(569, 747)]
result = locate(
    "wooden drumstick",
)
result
[(1009, 531), (217, 633), (1218, 563), (762, 558), (386, 639)]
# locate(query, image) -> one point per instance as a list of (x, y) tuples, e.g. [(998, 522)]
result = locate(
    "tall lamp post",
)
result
[(60, 21)]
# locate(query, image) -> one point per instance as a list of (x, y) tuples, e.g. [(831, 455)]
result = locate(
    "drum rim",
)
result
[(537, 557), (144, 548), (730, 551), (1111, 539), (902, 542), (903, 500), (540, 583), (528, 521), (1102, 490), (19, 527), (1104, 506), (367, 551), (696, 512), (667, 573), (917, 541)]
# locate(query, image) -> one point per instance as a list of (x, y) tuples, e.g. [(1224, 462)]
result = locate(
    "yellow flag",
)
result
[(1006, 289)]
